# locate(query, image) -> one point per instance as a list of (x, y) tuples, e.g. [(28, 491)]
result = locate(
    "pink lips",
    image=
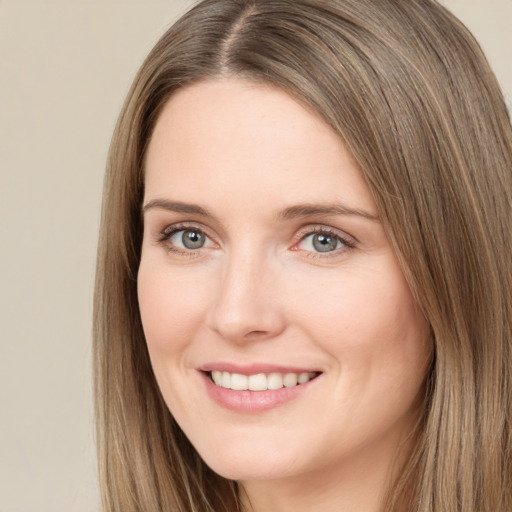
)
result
[(252, 369), (247, 401)]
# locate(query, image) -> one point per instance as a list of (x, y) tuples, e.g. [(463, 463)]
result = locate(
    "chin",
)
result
[(250, 470), (258, 463)]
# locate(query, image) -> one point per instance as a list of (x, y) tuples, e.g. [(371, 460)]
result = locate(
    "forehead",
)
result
[(233, 138)]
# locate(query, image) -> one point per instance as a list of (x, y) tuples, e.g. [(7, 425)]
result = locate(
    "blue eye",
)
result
[(324, 241), (191, 239), (321, 242), (185, 239)]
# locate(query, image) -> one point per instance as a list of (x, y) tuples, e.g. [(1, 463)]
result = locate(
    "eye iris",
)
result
[(324, 243), (193, 239)]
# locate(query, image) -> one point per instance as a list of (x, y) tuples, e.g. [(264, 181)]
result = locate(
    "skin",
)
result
[(258, 291)]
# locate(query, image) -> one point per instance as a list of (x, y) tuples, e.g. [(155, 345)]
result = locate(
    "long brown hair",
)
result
[(410, 93)]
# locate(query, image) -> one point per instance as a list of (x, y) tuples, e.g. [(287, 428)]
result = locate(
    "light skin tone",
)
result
[(262, 246)]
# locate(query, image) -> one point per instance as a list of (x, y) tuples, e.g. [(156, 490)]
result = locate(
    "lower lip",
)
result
[(253, 401)]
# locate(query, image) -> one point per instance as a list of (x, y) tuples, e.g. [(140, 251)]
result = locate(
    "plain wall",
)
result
[(65, 67)]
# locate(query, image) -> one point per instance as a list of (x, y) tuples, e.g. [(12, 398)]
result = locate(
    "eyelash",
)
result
[(348, 243), (169, 232)]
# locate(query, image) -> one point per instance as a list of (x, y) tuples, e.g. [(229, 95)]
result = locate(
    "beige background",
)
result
[(65, 67)]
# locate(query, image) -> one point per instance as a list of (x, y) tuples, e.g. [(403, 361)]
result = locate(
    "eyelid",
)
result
[(184, 226), (323, 228), (164, 236), (349, 242)]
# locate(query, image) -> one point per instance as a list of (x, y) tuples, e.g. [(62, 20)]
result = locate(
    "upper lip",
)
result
[(255, 368)]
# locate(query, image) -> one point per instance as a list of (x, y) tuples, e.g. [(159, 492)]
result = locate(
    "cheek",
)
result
[(367, 320), (170, 306), (379, 351)]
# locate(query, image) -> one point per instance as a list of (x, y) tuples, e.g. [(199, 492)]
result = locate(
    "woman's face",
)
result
[(265, 267)]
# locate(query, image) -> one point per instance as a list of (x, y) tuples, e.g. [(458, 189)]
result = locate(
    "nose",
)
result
[(247, 301)]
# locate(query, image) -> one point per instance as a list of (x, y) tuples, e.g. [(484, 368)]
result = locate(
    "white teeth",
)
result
[(260, 381), (275, 381), (217, 377), (303, 378), (226, 380), (239, 381), (290, 380)]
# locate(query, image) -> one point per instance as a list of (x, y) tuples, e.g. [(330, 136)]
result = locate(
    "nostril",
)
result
[(255, 334)]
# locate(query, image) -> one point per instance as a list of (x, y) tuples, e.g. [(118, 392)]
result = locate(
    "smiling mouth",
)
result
[(260, 381)]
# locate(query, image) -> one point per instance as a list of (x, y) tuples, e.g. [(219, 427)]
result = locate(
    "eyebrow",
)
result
[(292, 212), (310, 210), (176, 206)]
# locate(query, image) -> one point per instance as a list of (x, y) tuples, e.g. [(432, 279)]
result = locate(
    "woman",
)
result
[(303, 285)]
